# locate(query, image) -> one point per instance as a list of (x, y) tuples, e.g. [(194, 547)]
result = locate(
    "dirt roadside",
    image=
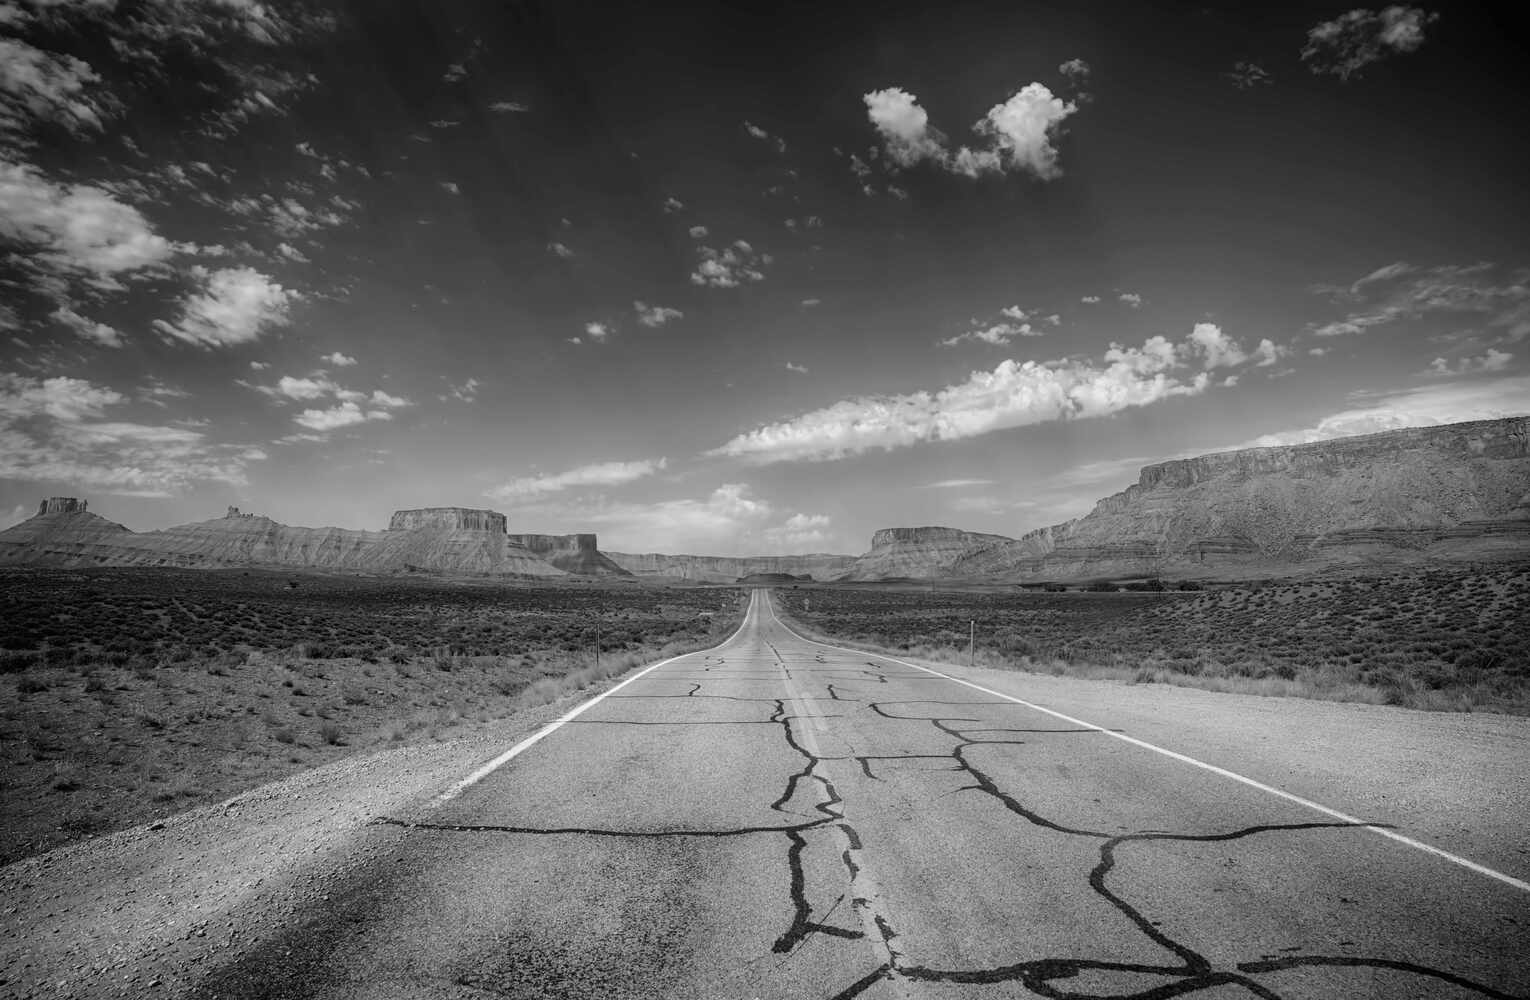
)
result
[(141, 911)]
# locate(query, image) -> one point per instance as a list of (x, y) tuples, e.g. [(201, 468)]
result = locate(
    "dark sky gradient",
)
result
[(1246, 208)]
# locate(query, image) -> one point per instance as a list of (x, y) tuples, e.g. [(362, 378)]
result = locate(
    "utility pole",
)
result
[(972, 643), (598, 611)]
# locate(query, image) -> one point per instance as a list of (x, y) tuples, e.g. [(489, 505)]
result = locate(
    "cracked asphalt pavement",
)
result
[(782, 818)]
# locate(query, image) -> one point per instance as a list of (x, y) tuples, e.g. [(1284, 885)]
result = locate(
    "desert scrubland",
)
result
[(131, 694), (1451, 640)]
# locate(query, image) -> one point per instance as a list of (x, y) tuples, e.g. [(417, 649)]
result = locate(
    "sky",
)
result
[(732, 280)]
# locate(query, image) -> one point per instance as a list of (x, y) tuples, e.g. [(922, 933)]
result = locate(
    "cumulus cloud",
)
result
[(598, 331), (292, 253), (1130, 298), (339, 360), (733, 265), (698, 232), (673, 204), (905, 128), (451, 187), (599, 474), (57, 430), (1014, 394), (1215, 347), (1352, 41), (655, 315), (1019, 134), (559, 250), (508, 107), (88, 329), (810, 303), (345, 414), (76, 234), (798, 532), (235, 306), (1089, 300), (1074, 70), (799, 369)]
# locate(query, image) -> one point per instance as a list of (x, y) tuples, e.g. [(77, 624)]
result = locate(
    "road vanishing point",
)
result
[(779, 817)]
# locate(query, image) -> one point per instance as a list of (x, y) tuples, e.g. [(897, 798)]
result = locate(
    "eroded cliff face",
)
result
[(571, 553), (250, 540), (920, 553), (727, 569), (1425, 494), (63, 505), (450, 518)]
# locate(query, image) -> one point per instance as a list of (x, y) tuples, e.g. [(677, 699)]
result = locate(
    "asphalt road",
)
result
[(781, 818)]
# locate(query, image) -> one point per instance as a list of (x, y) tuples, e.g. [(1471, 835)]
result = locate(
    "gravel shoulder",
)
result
[(147, 908)]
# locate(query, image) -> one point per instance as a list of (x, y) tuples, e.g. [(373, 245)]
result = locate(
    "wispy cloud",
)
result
[(59, 430), (1482, 293), (599, 474), (1424, 406), (1246, 74), (655, 315), (954, 484), (89, 329), (799, 369)]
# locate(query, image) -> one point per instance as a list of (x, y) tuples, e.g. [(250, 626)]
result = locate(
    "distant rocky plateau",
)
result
[(1426, 495), (448, 540), (1455, 493)]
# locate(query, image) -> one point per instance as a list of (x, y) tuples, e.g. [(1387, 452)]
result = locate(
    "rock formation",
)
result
[(62, 505), (450, 518), (72, 537), (919, 553), (727, 569), (571, 553), (1423, 494)]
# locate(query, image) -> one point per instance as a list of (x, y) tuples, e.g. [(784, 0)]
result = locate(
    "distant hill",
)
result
[(437, 540), (1451, 493)]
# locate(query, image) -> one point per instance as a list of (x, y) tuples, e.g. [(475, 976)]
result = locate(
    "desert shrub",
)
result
[(330, 732), (31, 684)]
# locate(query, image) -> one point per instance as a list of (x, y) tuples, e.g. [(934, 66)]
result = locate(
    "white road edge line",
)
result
[(1508, 880), (558, 723)]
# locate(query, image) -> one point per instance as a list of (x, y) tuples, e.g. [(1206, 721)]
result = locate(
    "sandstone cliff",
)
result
[(920, 553), (727, 569), (244, 540), (63, 505), (571, 553), (449, 518), (1424, 494)]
